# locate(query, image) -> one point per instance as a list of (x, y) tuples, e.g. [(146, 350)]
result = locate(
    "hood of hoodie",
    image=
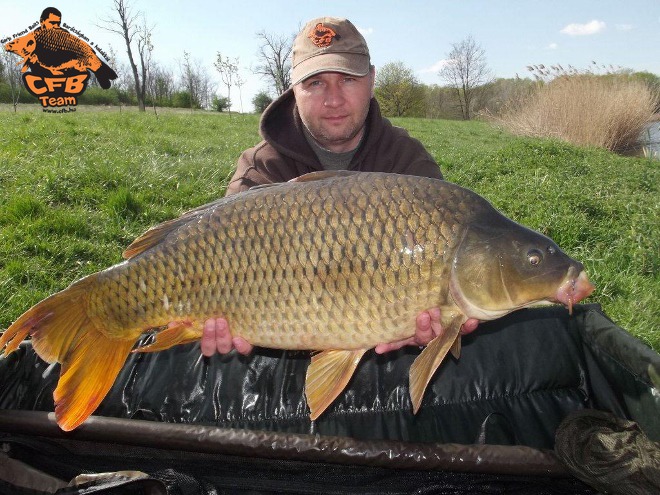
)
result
[(281, 118)]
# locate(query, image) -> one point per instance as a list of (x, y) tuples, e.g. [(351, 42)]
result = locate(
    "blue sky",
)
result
[(513, 33)]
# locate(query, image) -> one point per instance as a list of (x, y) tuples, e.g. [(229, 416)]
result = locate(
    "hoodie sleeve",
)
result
[(256, 166)]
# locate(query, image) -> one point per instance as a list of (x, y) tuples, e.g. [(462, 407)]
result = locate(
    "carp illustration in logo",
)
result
[(322, 35), (50, 51)]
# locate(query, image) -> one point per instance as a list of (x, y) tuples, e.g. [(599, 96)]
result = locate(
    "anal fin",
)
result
[(87, 375), (430, 359), (327, 375)]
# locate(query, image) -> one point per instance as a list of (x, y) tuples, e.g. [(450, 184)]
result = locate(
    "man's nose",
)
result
[(334, 96)]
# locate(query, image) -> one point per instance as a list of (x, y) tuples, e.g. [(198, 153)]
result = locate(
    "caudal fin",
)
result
[(63, 331), (104, 75)]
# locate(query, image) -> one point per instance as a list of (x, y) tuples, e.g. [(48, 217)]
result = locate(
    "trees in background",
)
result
[(261, 100), (466, 71), (274, 60), (197, 84), (133, 29), (468, 88), (10, 76), (398, 91), (228, 70)]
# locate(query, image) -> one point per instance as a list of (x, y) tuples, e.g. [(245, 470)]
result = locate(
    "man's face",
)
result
[(334, 107), (52, 21)]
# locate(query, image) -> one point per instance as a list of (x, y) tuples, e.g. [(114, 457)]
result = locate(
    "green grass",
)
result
[(77, 189)]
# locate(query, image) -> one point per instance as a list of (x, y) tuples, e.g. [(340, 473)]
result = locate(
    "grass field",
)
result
[(78, 188)]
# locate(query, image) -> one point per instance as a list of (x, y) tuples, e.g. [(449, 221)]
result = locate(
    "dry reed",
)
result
[(584, 109)]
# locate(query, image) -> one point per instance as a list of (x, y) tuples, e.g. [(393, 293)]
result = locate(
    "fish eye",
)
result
[(534, 256)]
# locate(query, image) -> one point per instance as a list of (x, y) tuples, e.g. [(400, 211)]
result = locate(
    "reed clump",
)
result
[(583, 108)]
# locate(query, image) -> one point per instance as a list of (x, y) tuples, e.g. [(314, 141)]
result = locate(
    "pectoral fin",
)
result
[(456, 347), (327, 375), (430, 359), (182, 333)]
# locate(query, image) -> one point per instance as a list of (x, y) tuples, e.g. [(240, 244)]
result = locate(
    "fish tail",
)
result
[(63, 331), (104, 74)]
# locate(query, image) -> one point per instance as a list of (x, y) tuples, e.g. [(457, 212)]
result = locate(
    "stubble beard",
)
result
[(328, 137)]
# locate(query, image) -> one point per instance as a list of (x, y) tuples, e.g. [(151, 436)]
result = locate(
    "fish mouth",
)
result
[(574, 290)]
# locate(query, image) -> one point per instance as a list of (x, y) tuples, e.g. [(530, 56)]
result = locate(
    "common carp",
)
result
[(57, 51), (332, 262)]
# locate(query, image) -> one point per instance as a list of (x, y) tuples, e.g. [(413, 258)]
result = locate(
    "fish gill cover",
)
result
[(56, 63)]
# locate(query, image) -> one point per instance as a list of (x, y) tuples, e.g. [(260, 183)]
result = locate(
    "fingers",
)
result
[(242, 346), (428, 326), (469, 326), (207, 344), (216, 337), (393, 346)]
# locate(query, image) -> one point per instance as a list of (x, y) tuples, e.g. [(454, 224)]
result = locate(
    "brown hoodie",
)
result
[(285, 153)]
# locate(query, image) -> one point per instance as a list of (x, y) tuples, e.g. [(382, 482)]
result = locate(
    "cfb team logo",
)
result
[(56, 63)]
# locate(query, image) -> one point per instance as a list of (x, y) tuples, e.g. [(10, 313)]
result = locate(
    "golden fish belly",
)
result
[(298, 268)]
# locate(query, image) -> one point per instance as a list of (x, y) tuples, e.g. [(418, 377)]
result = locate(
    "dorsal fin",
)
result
[(157, 233), (324, 174), (266, 186)]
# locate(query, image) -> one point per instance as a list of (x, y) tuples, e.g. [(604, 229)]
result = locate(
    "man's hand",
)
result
[(428, 328), (217, 338)]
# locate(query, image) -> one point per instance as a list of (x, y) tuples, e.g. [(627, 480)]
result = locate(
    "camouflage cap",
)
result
[(329, 44)]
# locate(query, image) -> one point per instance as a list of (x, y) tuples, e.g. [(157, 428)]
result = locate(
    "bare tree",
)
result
[(12, 74), (196, 82), (190, 80), (466, 71), (145, 50), (207, 87), (161, 84), (228, 70), (275, 60), (239, 84), (125, 22)]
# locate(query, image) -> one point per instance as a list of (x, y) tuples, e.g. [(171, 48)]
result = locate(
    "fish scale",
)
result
[(59, 40), (334, 262), (297, 287)]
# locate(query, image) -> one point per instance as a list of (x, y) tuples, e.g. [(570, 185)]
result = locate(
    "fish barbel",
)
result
[(332, 262)]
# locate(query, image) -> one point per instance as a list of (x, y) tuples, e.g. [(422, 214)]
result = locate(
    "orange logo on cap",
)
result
[(321, 35)]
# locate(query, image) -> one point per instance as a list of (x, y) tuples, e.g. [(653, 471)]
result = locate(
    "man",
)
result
[(50, 18), (328, 120)]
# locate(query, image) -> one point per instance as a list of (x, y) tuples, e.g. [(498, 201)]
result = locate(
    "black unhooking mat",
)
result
[(176, 422)]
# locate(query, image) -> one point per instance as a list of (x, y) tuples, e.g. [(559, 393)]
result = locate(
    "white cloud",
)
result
[(591, 27), (365, 31), (552, 46), (435, 68), (624, 27)]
